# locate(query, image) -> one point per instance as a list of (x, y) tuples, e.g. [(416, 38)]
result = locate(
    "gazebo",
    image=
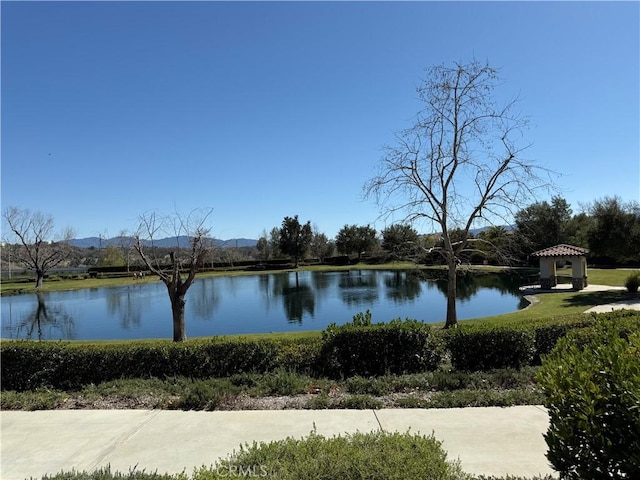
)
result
[(548, 258)]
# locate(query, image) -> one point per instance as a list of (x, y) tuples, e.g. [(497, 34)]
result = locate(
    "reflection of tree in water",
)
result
[(268, 293), (359, 288), (321, 282), (402, 287), (126, 306), (203, 298), (505, 282), (468, 286), (296, 299), (45, 318), (469, 283)]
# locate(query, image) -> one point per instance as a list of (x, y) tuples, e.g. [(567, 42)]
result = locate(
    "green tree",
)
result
[(112, 257), (401, 241), (498, 245), (125, 243), (263, 247), (543, 224), (458, 163), (321, 247), (356, 239), (274, 243), (578, 229), (615, 231), (295, 238)]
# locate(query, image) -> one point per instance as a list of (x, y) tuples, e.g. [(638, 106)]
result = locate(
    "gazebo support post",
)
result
[(548, 276), (578, 273)]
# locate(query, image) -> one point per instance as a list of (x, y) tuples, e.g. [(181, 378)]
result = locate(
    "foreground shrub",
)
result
[(591, 381), (372, 456), (362, 348), (632, 282), (204, 394), (37, 400), (484, 398)]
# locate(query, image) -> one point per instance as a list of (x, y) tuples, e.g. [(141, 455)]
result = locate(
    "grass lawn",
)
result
[(555, 304), (563, 303)]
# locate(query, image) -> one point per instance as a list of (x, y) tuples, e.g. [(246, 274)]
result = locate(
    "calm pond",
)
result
[(280, 302)]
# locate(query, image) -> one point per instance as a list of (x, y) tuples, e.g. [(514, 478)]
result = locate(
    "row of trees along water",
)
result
[(608, 227), (459, 164)]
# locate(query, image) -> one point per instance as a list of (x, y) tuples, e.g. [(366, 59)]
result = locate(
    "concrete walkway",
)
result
[(489, 441)]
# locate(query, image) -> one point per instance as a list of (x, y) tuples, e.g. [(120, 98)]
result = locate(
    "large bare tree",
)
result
[(460, 162), (178, 270), (33, 242)]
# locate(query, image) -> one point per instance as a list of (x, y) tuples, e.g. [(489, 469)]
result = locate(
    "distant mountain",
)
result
[(182, 242), (476, 231)]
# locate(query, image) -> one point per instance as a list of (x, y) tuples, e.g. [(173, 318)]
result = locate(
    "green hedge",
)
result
[(27, 365), (357, 348), (484, 347), (397, 347)]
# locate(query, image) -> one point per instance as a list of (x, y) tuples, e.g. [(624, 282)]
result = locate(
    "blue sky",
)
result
[(261, 110)]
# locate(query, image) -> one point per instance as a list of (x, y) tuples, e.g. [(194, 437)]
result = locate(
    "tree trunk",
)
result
[(452, 316), (177, 310), (39, 278)]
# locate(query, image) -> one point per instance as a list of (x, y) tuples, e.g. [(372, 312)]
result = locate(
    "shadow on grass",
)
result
[(597, 298)]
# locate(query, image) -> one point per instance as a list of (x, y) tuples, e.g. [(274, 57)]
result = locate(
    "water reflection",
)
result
[(402, 287), (255, 304), (126, 306), (41, 322), (359, 287), (469, 285), (297, 296), (203, 299)]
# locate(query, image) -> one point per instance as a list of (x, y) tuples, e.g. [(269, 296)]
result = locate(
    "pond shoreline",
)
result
[(22, 287), (254, 304)]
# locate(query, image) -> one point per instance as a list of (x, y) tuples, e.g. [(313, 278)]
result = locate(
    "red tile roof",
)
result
[(561, 250)]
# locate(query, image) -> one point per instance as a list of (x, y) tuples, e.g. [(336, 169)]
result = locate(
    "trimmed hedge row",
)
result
[(486, 347), (397, 347), (28, 365), (358, 348)]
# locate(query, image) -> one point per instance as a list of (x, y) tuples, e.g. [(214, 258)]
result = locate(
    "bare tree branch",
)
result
[(460, 163), (189, 228), (36, 248)]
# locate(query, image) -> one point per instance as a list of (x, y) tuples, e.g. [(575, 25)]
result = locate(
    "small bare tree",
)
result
[(458, 163), (32, 238), (178, 271), (125, 242)]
